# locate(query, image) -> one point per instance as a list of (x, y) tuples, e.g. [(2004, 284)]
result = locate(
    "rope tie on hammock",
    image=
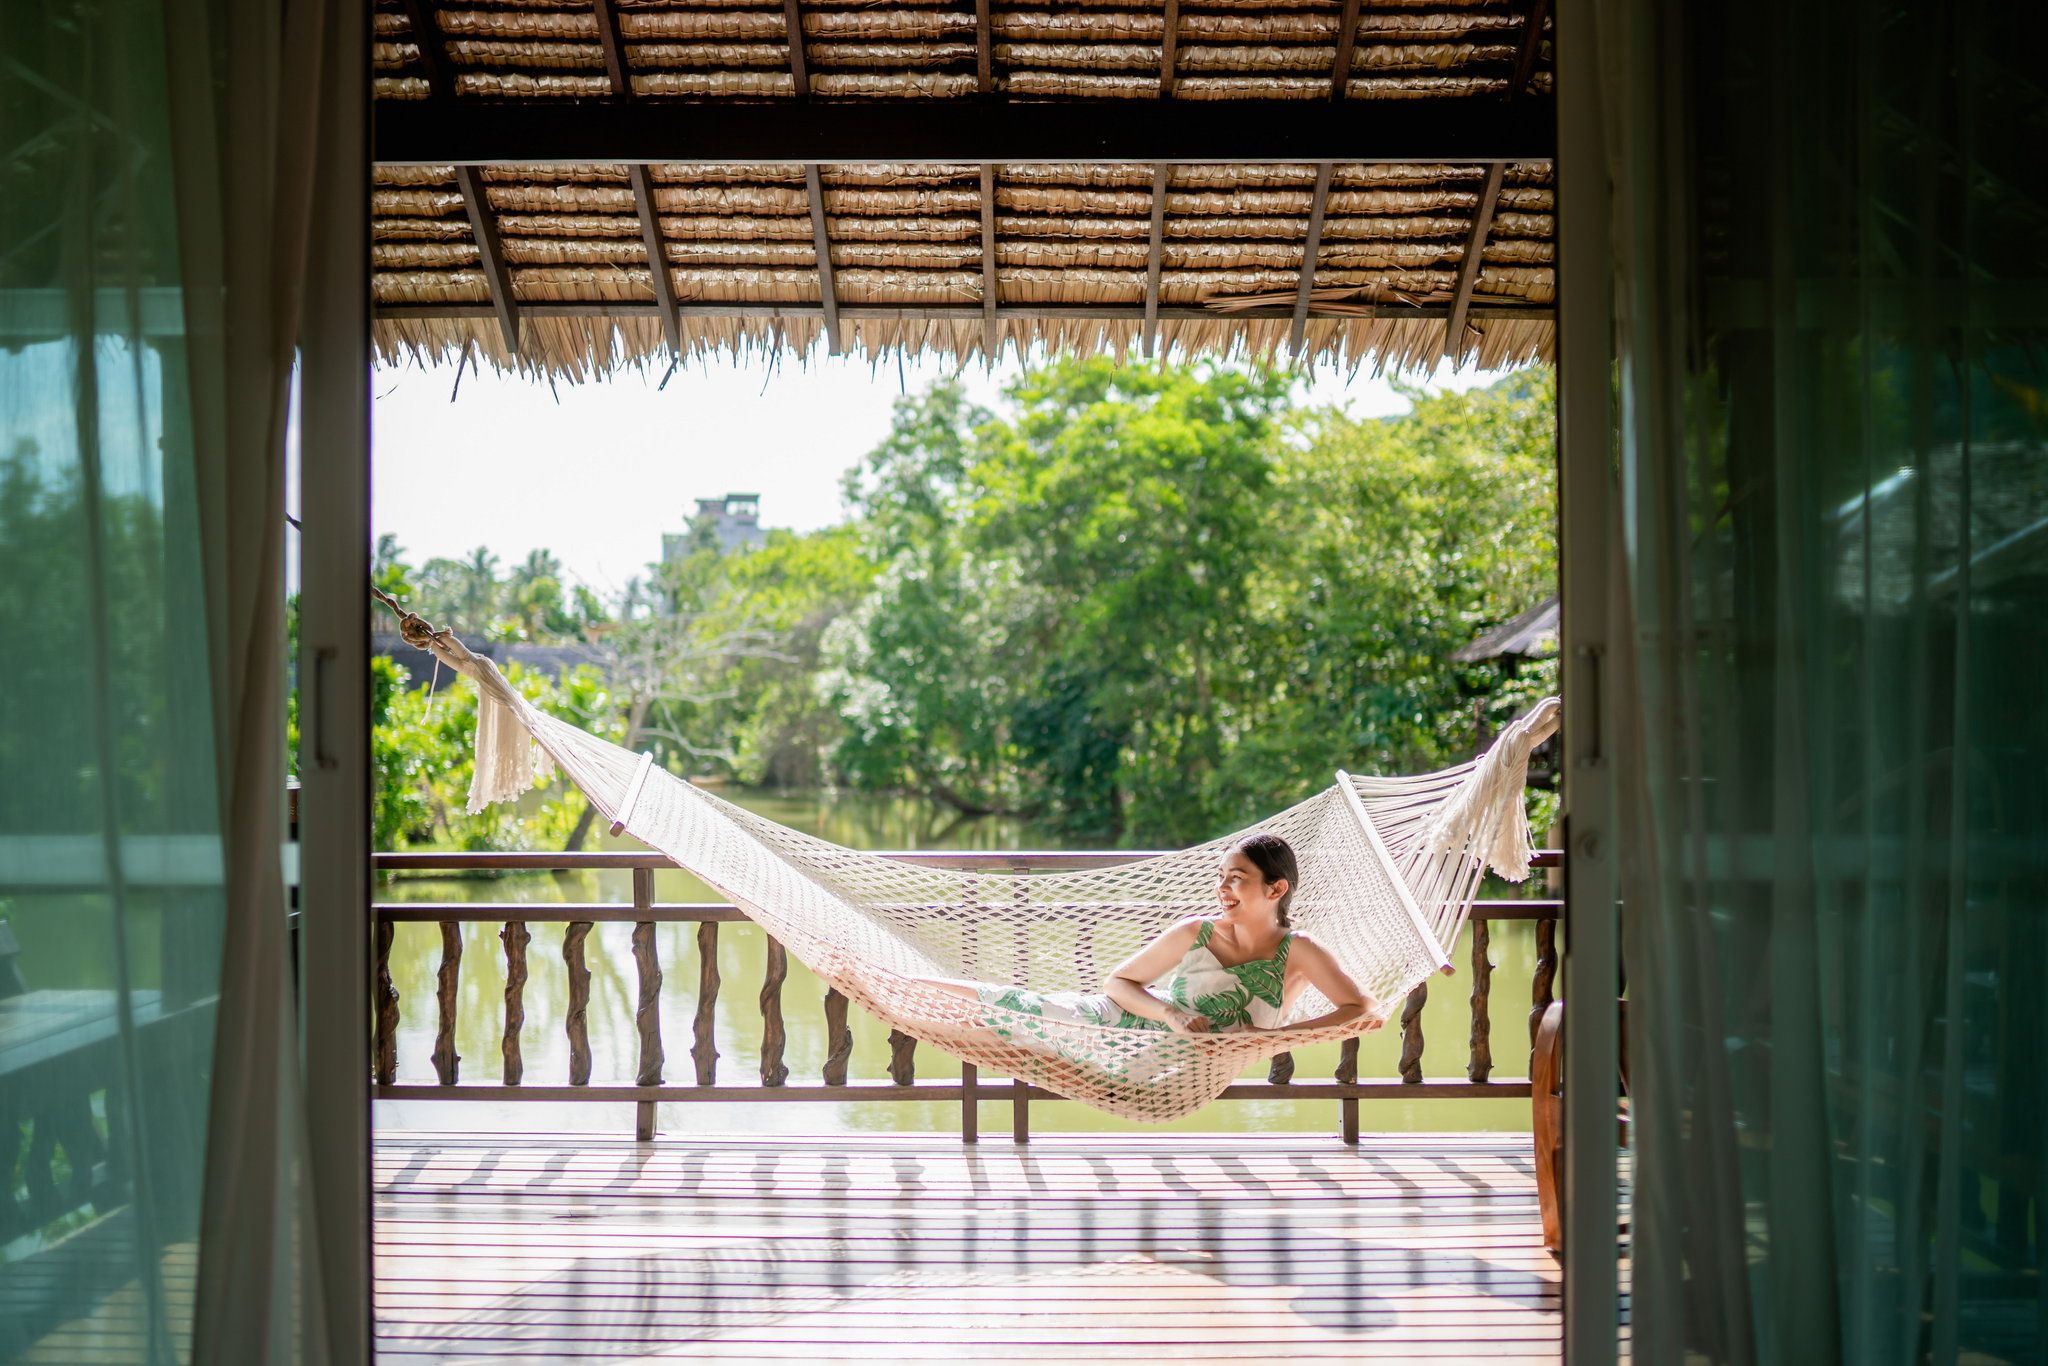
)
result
[(1389, 870)]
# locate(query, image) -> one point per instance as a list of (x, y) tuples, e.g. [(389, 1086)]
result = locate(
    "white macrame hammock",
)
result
[(1389, 868)]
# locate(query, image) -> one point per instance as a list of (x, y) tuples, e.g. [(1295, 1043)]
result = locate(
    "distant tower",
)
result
[(729, 523)]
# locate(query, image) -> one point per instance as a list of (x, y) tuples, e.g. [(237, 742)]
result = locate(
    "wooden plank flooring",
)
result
[(499, 1248)]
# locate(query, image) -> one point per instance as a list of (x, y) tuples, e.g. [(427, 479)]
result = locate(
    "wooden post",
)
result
[(1480, 1068), (902, 1058), (387, 1009), (1020, 1110), (838, 1038), (1411, 1035), (704, 1050), (647, 1017), (1347, 1074), (970, 1105), (515, 937), (1546, 974), (447, 1062), (774, 1072), (577, 1023)]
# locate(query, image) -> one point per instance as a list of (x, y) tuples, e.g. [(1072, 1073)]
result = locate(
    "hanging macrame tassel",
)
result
[(1486, 818), (508, 761)]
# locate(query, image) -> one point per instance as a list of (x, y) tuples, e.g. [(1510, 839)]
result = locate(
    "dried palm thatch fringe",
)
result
[(576, 349)]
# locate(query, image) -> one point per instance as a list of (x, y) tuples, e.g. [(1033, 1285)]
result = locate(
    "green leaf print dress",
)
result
[(1247, 995)]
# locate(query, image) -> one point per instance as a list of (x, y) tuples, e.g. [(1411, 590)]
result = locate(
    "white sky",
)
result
[(597, 472)]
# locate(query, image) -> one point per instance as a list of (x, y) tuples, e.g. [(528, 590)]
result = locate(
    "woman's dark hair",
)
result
[(1274, 858)]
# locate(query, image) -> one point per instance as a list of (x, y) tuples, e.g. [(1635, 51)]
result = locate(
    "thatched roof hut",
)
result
[(545, 263)]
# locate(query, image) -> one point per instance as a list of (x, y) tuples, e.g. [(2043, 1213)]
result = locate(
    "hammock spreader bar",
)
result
[(1379, 849)]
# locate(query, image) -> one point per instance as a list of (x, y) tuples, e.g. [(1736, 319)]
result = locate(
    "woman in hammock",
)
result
[(1240, 970)]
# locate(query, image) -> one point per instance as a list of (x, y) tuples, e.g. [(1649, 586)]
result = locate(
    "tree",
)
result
[(912, 675), (1056, 627), (782, 726), (1148, 605), (1406, 537)]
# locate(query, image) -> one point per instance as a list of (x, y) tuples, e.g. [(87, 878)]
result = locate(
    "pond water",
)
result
[(859, 822)]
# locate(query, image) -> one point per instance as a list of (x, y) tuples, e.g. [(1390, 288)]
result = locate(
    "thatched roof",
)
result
[(965, 258), (1532, 633)]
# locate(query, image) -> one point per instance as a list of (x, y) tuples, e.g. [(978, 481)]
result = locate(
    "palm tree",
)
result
[(478, 602)]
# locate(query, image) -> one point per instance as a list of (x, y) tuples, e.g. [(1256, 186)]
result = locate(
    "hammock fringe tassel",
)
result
[(1389, 869)]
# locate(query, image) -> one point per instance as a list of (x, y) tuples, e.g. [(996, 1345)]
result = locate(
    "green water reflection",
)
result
[(861, 822)]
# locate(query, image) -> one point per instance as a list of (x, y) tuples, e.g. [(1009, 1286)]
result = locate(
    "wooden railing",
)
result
[(650, 1087)]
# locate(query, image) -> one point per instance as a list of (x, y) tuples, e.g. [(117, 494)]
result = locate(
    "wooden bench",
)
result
[(1546, 1098)]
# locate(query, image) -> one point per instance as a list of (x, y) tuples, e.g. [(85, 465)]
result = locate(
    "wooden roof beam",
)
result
[(1532, 44), (799, 64), (1169, 50), (1154, 259), (991, 324), (1468, 268), (984, 47), (657, 255), (828, 288), (491, 252), (1311, 252), (614, 49), (427, 37), (1489, 195), (995, 129), (1474, 259), (1347, 44)]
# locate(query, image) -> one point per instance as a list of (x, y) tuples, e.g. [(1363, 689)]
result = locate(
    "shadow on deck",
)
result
[(575, 1248)]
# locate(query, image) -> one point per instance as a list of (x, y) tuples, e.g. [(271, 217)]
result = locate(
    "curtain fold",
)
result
[(247, 101), (155, 207), (1832, 345)]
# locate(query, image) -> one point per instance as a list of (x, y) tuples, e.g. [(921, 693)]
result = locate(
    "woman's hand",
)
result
[(1186, 1022)]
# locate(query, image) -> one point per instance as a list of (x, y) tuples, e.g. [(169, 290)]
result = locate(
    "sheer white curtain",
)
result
[(251, 85), (154, 204)]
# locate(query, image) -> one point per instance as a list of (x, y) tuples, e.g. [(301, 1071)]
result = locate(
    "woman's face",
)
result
[(1240, 884)]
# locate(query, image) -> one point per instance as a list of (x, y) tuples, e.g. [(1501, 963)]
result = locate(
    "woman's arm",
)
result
[(1322, 972), (1126, 985)]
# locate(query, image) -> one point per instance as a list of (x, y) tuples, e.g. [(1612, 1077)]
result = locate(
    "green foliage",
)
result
[(1147, 607), (779, 727), (1408, 537), (527, 603), (422, 756), (95, 602)]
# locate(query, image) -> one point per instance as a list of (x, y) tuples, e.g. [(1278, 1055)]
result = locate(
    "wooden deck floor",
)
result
[(586, 1250)]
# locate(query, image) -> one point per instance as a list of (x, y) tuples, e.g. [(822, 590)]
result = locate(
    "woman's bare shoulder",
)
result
[(1301, 939)]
